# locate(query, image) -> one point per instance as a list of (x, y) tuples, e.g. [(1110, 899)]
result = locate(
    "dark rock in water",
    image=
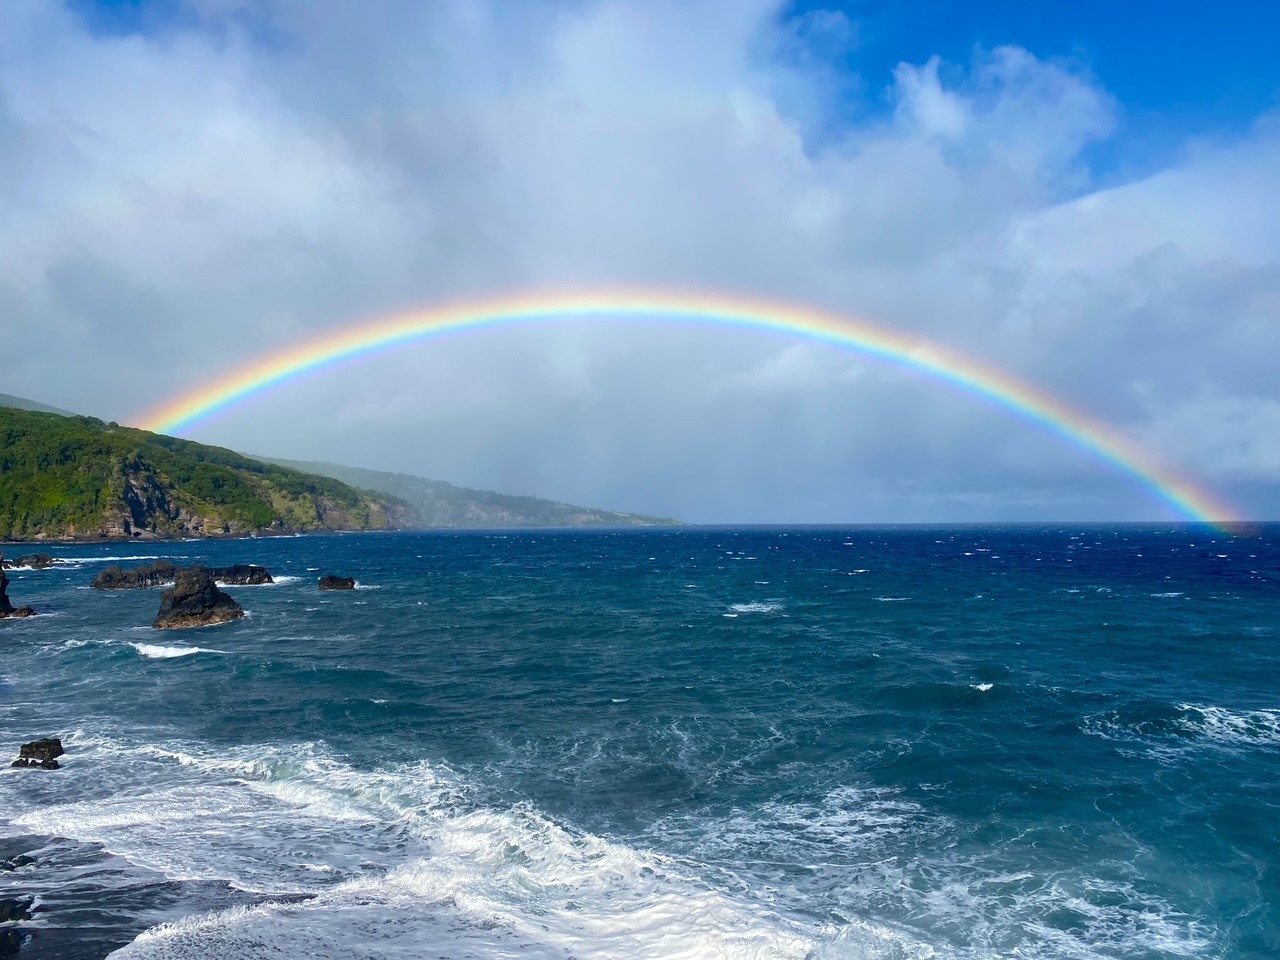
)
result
[(194, 600), (40, 753), (244, 574), (7, 609), (17, 863), (34, 561), (10, 943), (148, 575), (14, 909), (164, 571), (331, 582)]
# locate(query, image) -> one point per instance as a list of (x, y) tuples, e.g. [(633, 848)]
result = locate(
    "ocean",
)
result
[(877, 742)]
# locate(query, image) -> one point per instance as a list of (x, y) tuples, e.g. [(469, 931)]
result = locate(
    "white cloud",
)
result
[(177, 201)]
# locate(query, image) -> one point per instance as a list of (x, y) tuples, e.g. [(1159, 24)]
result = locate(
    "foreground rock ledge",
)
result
[(331, 582), (7, 609), (40, 753), (195, 601)]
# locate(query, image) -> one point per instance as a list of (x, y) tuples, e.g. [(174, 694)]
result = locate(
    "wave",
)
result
[(757, 607), (1249, 727), (276, 582), (402, 852), (157, 651), (116, 559), (1160, 726)]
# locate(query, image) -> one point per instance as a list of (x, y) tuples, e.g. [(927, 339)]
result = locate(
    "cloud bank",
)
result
[(196, 190)]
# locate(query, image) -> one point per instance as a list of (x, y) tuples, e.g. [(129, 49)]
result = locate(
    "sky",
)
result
[(1084, 195)]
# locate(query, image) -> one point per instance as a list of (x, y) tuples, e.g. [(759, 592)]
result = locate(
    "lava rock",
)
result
[(243, 574), (164, 571), (40, 753), (194, 600), (148, 575), (331, 582), (10, 942), (7, 609), (12, 909), (33, 561)]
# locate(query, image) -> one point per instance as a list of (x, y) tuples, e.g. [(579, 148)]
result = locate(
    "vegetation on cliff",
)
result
[(78, 477)]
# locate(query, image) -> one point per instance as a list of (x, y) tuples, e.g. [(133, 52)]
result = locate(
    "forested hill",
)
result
[(77, 477), (442, 504)]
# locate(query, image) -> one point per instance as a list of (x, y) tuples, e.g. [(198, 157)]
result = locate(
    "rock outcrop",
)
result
[(331, 582), (40, 753), (7, 609), (164, 571), (13, 909), (149, 575), (32, 561), (194, 600), (242, 574)]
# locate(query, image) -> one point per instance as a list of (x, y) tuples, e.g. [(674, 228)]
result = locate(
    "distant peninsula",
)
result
[(441, 504)]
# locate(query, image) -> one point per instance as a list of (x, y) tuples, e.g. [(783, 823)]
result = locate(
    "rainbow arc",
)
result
[(372, 336)]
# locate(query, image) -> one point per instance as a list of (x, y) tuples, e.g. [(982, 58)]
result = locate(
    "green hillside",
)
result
[(442, 504), (68, 476)]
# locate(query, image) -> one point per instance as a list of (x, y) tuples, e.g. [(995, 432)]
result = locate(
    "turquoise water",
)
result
[(969, 742)]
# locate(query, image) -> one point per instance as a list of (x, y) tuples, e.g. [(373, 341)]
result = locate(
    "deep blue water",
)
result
[(970, 742)]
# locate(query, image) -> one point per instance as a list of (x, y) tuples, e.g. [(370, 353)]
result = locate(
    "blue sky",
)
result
[(1178, 67), (1179, 70)]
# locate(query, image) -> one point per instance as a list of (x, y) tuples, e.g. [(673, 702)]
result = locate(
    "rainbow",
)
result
[(374, 336)]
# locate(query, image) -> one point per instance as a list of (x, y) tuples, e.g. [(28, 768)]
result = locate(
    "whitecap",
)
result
[(756, 607), (157, 651), (891, 599), (981, 687), (1239, 727)]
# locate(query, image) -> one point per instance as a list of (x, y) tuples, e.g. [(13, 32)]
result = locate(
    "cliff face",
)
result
[(77, 477)]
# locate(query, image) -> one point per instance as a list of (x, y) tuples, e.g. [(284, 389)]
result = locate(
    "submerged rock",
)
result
[(40, 753), (7, 609), (331, 582), (194, 600)]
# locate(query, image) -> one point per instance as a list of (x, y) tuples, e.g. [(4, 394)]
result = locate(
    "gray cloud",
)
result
[(255, 173)]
